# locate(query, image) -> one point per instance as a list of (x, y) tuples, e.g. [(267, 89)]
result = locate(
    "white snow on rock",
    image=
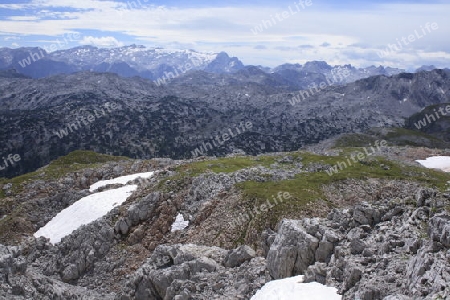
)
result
[(84, 211), (120, 180), (179, 223), (294, 289), (436, 162)]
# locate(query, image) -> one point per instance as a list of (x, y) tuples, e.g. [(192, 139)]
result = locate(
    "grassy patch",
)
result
[(226, 164), (308, 187), (186, 172), (75, 161), (355, 140), (12, 224), (305, 189), (394, 136), (2, 192), (405, 135), (85, 158)]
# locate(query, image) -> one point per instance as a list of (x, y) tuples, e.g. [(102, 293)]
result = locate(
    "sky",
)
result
[(404, 33)]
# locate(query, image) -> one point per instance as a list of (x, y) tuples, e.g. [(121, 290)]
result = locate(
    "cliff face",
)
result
[(378, 229)]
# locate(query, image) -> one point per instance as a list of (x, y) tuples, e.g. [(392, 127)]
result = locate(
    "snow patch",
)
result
[(294, 289), (179, 223), (120, 180), (84, 211), (436, 162)]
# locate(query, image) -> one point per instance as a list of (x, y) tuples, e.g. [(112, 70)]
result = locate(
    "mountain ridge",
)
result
[(153, 63)]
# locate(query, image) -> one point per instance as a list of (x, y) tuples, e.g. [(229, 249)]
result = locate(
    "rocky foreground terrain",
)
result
[(379, 229)]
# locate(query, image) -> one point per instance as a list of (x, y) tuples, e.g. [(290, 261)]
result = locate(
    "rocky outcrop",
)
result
[(137, 213), (238, 256), (210, 184), (298, 245), (198, 272), (439, 229), (19, 281), (78, 253), (11, 262), (292, 251), (383, 250)]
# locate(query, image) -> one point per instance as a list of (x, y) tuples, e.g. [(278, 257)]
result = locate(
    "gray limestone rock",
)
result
[(316, 273), (439, 229), (198, 273), (293, 250), (238, 256)]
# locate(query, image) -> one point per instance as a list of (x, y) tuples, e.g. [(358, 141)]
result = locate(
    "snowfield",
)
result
[(179, 223), (120, 180), (436, 162), (294, 289), (90, 208), (83, 212)]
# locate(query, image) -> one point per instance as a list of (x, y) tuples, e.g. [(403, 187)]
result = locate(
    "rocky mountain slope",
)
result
[(11, 73), (394, 136), (378, 229), (42, 119), (433, 120)]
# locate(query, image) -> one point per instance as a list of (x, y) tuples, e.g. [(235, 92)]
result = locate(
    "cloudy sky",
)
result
[(264, 32)]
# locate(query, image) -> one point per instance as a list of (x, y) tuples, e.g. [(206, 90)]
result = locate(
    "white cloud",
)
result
[(79, 4), (23, 18), (11, 38), (213, 29), (105, 41)]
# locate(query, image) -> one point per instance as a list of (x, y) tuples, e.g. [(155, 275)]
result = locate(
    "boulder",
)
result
[(423, 195), (238, 256), (352, 275), (357, 246), (365, 214), (324, 251), (439, 229), (198, 272), (316, 273), (122, 226), (292, 251)]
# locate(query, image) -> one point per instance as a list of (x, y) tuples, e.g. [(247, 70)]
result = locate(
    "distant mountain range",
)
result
[(163, 65), (129, 61)]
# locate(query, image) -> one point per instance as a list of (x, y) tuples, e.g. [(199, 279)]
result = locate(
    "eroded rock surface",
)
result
[(383, 250)]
